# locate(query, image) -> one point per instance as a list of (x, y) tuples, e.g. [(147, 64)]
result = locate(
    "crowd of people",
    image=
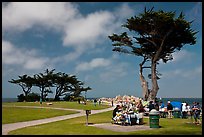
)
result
[(186, 110), (130, 106), (126, 112)]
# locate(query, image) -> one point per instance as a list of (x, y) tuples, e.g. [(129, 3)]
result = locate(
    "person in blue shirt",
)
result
[(162, 104), (162, 111)]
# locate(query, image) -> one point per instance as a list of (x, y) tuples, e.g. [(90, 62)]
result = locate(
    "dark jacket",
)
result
[(151, 106), (114, 111), (169, 106)]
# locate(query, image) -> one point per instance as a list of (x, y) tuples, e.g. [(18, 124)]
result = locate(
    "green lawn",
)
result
[(14, 114), (60, 104), (76, 126)]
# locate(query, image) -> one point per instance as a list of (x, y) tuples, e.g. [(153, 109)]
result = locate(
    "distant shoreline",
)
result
[(16, 99)]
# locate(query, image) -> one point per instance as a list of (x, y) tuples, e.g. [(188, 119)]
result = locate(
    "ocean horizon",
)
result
[(189, 100)]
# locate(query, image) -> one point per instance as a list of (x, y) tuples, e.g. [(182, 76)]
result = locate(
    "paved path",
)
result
[(13, 126), (119, 128)]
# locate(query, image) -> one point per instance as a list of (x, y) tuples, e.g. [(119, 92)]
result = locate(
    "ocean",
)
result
[(9, 99), (164, 100), (187, 100)]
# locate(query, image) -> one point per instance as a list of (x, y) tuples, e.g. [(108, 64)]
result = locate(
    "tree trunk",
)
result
[(144, 84), (42, 91), (155, 86), (26, 92), (26, 96)]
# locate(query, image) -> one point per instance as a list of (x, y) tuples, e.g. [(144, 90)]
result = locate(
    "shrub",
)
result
[(32, 97), (21, 98)]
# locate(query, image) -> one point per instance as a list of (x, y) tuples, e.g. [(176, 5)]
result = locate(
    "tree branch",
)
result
[(146, 67), (141, 64), (161, 46), (150, 41)]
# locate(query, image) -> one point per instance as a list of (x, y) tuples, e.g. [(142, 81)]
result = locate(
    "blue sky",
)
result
[(73, 38)]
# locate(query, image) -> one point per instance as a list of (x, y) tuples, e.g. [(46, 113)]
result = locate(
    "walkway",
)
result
[(13, 126)]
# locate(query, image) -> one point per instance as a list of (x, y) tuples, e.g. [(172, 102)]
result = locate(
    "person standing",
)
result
[(169, 109), (184, 110), (99, 101), (112, 102), (156, 105), (189, 111), (196, 112), (151, 105), (95, 101)]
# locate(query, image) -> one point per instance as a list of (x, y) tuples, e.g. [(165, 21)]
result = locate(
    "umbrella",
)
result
[(176, 104)]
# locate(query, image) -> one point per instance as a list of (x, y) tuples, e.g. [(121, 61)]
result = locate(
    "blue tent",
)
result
[(176, 104)]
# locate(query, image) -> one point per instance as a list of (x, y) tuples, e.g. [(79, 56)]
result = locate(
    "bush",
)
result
[(72, 98), (68, 98), (21, 98), (57, 98), (78, 98), (32, 97)]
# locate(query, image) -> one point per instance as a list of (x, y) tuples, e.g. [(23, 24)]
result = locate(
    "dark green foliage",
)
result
[(153, 35), (64, 84), (31, 97), (68, 97), (25, 82), (152, 30), (21, 98)]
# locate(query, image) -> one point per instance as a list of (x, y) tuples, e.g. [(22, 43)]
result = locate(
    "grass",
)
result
[(14, 114), (76, 126), (60, 104)]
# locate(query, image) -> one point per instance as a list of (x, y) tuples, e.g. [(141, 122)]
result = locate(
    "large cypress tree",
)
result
[(156, 35)]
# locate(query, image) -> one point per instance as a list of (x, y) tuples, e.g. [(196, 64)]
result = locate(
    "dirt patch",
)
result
[(120, 128)]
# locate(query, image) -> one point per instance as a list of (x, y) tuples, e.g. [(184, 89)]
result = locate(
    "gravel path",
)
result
[(119, 128), (13, 126)]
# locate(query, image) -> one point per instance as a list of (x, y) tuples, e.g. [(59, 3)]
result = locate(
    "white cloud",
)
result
[(88, 31), (80, 32), (71, 56), (109, 74), (124, 11), (24, 15), (182, 55), (25, 58), (94, 63), (183, 73), (114, 72), (36, 63)]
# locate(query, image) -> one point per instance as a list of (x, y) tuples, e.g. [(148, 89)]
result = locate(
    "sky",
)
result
[(73, 38)]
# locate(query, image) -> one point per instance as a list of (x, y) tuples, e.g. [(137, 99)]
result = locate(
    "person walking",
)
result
[(169, 109)]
